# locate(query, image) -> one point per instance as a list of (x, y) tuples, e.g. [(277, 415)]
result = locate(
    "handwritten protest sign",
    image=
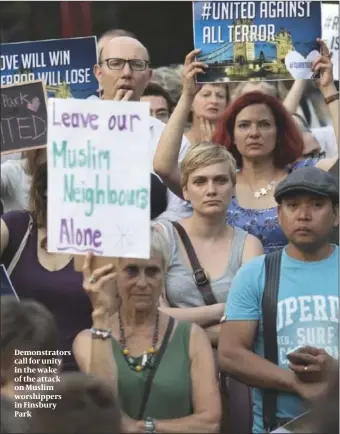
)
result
[(330, 33), (65, 65), (99, 177), (256, 40), (23, 121)]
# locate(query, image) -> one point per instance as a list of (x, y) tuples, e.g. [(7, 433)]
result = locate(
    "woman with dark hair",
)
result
[(48, 278), (265, 142)]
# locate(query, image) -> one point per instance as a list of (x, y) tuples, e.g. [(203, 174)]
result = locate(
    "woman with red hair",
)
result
[(264, 140)]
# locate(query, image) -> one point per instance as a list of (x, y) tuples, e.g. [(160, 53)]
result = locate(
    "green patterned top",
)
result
[(170, 395)]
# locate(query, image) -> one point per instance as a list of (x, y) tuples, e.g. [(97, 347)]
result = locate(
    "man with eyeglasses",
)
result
[(311, 148), (123, 69), (123, 73)]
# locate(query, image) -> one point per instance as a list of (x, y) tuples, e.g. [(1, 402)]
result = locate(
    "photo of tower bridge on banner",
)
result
[(240, 61)]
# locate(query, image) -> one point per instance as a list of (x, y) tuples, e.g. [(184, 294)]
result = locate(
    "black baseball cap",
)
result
[(308, 180)]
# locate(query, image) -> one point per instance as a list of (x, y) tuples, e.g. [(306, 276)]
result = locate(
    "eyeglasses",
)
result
[(118, 64), (319, 155)]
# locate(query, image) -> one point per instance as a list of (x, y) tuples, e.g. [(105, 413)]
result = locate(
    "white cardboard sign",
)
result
[(99, 177)]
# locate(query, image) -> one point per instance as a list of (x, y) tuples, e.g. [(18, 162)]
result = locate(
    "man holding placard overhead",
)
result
[(123, 72)]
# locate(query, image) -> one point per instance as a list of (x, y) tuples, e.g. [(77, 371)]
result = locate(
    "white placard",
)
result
[(330, 33), (99, 168)]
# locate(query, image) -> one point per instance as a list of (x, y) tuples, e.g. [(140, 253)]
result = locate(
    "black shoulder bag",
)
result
[(269, 313), (199, 275), (153, 371)]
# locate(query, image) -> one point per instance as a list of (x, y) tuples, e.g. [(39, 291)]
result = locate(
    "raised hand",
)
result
[(323, 64), (191, 69), (207, 130), (100, 286)]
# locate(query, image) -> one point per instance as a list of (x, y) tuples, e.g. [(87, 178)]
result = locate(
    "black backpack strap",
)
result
[(200, 276), (269, 314)]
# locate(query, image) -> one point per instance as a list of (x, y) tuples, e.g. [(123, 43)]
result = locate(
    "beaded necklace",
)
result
[(148, 356)]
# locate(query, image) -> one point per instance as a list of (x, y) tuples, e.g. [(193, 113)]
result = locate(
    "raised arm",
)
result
[(165, 163), (95, 356), (293, 98), (328, 89)]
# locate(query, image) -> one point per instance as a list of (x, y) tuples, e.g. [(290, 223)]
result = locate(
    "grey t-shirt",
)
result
[(15, 185), (181, 290)]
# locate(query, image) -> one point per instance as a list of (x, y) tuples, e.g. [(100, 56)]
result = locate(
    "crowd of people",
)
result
[(231, 325)]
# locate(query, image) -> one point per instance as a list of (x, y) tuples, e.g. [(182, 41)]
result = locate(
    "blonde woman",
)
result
[(208, 177)]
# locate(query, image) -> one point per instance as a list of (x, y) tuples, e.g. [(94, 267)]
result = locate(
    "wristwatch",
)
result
[(100, 333), (332, 98), (150, 424)]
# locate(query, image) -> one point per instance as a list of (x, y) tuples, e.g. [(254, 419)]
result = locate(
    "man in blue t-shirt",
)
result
[(308, 302)]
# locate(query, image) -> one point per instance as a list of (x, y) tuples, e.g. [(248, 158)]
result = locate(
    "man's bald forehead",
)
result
[(125, 41)]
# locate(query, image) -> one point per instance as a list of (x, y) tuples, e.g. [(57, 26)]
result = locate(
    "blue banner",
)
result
[(65, 65), (257, 40)]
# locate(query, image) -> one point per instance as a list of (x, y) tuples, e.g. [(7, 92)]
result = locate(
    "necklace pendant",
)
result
[(144, 359), (257, 195), (263, 191)]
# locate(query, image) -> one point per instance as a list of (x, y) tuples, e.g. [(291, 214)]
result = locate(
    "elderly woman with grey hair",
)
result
[(155, 363)]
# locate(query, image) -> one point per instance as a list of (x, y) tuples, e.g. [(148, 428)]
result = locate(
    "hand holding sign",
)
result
[(191, 69), (100, 285), (324, 65), (330, 33)]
